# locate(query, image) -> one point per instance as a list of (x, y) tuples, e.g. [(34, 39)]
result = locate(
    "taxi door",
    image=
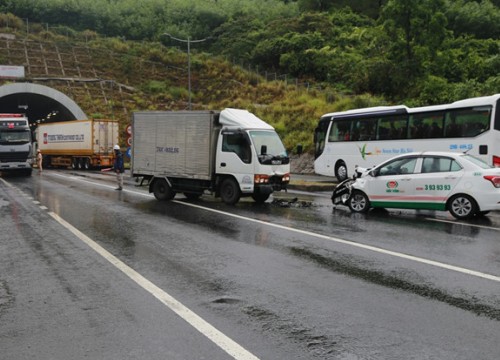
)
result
[(392, 184), (437, 178)]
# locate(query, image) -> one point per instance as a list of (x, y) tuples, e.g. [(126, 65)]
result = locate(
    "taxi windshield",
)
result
[(477, 161)]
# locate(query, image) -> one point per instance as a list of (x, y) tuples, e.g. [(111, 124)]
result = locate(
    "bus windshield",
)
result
[(15, 136)]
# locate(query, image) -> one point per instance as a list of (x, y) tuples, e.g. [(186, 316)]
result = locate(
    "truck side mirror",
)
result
[(263, 150), (299, 149)]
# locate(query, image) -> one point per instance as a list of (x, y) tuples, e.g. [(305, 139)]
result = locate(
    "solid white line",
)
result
[(464, 224), (220, 339), (334, 239), (354, 244)]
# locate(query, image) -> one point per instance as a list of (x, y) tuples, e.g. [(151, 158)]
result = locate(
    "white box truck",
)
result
[(230, 154), (81, 144)]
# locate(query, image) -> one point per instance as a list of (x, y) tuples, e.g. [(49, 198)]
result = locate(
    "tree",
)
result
[(417, 29)]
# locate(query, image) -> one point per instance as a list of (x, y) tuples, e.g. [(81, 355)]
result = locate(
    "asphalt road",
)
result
[(90, 272)]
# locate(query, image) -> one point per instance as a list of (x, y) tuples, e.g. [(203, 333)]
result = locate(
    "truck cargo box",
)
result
[(179, 144), (78, 137)]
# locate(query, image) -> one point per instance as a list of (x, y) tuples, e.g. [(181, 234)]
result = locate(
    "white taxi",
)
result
[(457, 182)]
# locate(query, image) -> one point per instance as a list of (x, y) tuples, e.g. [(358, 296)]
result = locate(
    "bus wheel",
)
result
[(341, 171), (230, 191), (462, 206), (358, 202), (162, 191)]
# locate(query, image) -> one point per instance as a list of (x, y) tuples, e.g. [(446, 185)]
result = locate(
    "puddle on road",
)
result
[(347, 265)]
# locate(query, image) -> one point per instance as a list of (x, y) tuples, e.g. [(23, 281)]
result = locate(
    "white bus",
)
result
[(366, 137)]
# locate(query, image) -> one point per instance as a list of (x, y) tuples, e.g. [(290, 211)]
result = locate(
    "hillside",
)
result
[(110, 78)]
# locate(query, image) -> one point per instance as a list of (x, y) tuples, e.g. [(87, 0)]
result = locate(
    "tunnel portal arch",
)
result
[(37, 102)]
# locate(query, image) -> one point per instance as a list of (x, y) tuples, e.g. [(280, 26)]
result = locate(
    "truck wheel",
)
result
[(74, 163), (162, 191), (260, 198), (230, 191)]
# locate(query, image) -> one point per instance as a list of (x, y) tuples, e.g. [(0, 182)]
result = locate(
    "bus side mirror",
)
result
[(263, 150), (299, 149)]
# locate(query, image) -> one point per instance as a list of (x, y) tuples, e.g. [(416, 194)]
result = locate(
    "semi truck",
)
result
[(16, 150), (81, 144), (229, 153)]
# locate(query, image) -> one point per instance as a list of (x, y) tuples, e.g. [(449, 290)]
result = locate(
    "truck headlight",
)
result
[(261, 179)]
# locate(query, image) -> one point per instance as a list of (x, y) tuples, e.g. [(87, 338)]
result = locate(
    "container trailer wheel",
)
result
[(86, 163)]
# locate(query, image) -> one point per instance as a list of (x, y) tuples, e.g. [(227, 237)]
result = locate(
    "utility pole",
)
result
[(188, 41)]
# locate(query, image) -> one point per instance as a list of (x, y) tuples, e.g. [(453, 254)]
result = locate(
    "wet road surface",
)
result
[(289, 279)]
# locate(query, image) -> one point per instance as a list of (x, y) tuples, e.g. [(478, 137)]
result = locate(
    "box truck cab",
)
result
[(249, 151), (231, 153)]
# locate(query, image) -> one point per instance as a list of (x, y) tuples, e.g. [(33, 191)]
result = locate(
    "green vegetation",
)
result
[(340, 54)]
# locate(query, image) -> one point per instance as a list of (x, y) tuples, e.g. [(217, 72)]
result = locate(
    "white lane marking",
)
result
[(464, 224), (334, 239), (216, 336)]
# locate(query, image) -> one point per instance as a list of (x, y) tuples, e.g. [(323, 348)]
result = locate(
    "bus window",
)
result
[(392, 128), (365, 129), (340, 131), (426, 125), (467, 122)]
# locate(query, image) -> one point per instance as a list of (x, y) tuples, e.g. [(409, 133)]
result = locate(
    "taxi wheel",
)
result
[(462, 206), (358, 202)]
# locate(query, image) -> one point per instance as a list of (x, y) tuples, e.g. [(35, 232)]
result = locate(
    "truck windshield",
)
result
[(268, 145), (15, 136)]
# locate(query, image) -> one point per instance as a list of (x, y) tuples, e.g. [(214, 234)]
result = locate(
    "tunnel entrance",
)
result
[(39, 103)]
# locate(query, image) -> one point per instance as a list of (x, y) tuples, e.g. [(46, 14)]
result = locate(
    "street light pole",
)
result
[(188, 41)]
